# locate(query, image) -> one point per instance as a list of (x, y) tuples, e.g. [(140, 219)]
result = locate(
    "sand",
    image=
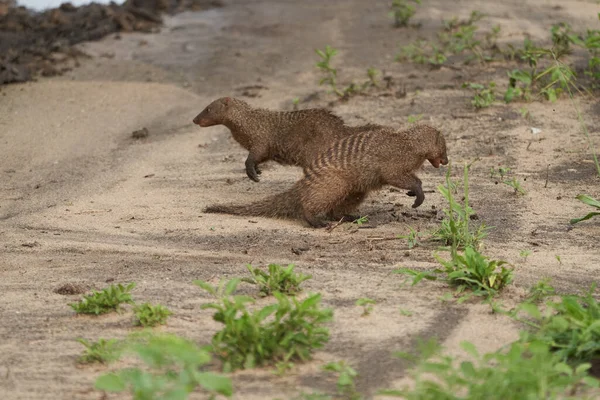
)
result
[(83, 202)]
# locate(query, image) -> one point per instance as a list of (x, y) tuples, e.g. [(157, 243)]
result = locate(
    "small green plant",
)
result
[(295, 102), (103, 351), (540, 291), (173, 370), (402, 12), (475, 272), (324, 65), (345, 384), (456, 230), (148, 315), (107, 300), (414, 118), (406, 313), (412, 238), (422, 52), (525, 254), (287, 331), (558, 259), (570, 327), (372, 74), (512, 182), (484, 96), (361, 220), (366, 304), (590, 201), (278, 279), (526, 370)]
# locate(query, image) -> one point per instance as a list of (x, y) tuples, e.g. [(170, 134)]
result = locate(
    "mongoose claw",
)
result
[(419, 200)]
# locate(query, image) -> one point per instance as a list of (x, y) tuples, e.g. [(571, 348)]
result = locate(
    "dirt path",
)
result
[(83, 202)]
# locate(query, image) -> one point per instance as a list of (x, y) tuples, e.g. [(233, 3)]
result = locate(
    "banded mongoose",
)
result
[(339, 179), (286, 137)]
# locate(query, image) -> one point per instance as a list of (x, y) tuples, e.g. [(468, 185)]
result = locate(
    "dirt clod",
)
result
[(69, 288)]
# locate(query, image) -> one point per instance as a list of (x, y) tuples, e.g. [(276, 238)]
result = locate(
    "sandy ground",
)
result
[(81, 201)]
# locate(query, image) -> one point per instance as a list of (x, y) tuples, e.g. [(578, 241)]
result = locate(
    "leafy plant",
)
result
[(512, 182), (325, 66), (422, 52), (278, 279), (402, 12), (345, 384), (475, 272), (590, 201), (540, 291), (366, 304), (456, 229), (361, 220), (484, 96), (525, 254), (103, 351), (107, 300), (372, 74), (148, 315), (287, 331), (570, 327), (412, 237), (526, 370), (414, 118), (173, 370)]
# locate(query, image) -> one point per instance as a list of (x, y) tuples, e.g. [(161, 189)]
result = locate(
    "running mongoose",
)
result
[(286, 137), (339, 179)]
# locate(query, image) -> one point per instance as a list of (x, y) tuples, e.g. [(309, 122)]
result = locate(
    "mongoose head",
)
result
[(215, 113), (439, 156)]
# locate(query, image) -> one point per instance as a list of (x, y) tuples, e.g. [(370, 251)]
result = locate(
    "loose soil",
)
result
[(84, 204)]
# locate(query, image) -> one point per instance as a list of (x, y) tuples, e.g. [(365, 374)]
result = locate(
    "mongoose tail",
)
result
[(284, 205)]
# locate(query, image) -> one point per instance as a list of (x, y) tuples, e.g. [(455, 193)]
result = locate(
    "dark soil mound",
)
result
[(41, 43)]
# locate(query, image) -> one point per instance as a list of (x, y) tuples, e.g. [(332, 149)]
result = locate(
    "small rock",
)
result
[(140, 134), (535, 131)]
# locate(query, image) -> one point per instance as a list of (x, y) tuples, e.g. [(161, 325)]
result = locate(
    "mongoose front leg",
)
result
[(413, 184), (254, 158)]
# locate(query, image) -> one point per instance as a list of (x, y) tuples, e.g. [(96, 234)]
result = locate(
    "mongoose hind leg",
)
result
[(345, 209), (413, 185), (324, 196)]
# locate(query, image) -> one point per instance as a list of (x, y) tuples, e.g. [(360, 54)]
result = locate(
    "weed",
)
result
[(361, 220), (366, 304), (525, 254), (412, 238), (540, 291), (590, 201), (402, 12), (372, 74), (107, 300), (475, 272), (325, 66), (421, 52), (287, 331), (103, 351), (345, 384), (148, 315), (295, 102), (406, 313), (278, 279), (570, 327), (558, 259), (174, 365), (414, 118), (456, 229), (526, 370), (484, 96), (513, 182)]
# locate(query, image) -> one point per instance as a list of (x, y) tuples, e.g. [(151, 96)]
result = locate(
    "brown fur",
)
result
[(339, 179), (287, 137)]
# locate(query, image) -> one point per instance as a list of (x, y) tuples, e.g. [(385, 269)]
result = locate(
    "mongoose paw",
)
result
[(252, 174), (419, 200)]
